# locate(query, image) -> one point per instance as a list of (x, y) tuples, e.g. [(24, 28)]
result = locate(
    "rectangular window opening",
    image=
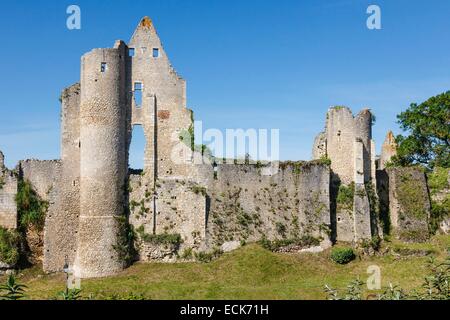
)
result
[(103, 67), (131, 52), (155, 52), (138, 94)]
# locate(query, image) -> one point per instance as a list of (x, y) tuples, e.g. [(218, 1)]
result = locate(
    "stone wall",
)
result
[(177, 207), (8, 191), (61, 223), (248, 205), (409, 203), (42, 174), (163, 113), (388, 150)]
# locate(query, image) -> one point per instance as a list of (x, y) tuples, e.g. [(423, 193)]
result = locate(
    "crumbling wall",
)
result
[(347, 142), (8, 191), (409, 203), (247, 205), (61, 223), (163, 112), (42, 174), (177, 208), (388, 150)]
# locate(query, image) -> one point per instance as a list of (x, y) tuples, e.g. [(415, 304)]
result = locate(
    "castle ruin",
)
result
[(92, 194)]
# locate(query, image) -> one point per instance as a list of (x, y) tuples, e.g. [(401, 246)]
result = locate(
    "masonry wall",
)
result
[(163, 113), (42, 174), (177, 207), (409, 203), (8, 191), (248, 205), (61, 224)]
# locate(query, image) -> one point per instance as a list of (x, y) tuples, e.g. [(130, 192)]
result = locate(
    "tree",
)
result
[(428, 125)]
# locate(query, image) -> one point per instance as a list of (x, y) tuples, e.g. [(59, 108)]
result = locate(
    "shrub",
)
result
[(187, 254), (345, 196), (325, 161), (281, 229), (9, 246), (30, 208), (199, 190), (439, 212), (342, 255), (206, 257), (125, 240), (305, 241), (159, 239)]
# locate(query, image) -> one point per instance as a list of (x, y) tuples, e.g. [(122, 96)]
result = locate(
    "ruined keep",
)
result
[(175, 204)]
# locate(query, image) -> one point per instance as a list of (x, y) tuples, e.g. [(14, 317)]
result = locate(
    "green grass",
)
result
[(248, 273)]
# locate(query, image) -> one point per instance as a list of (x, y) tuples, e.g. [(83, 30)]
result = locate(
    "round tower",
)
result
[(363, 130), (103, 164)]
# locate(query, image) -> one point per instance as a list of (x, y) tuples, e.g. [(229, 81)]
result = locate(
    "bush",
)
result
[(305, 242), (159, 239), (345, 196), (206, 257), (125, 240), (342, 255), (30, 208), (9, 246)]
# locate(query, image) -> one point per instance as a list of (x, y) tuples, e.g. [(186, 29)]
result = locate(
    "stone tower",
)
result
[(103, 160), (388, 150), (347, 142)]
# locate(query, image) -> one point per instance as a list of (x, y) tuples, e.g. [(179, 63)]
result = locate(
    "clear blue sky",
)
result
[(248, 64)]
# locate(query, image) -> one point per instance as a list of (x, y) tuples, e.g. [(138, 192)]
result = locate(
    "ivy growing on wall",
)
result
[(31, 208), (345, 196), (126, 236)]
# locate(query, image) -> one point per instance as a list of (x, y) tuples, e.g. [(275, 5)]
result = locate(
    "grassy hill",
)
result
[(248, 273)]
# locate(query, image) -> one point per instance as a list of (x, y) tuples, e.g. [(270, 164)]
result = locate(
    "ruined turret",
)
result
[(103, 162), (347, 142), (388, 150)]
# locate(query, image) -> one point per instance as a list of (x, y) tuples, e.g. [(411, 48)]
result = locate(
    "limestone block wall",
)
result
[(409, 203), (247, 205), (163, 112), (8, 191), (178, 207), (42, 174), (320, 146), (61, 223)]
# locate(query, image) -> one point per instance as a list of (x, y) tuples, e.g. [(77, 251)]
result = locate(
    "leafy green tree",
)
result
[(428, 126)]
